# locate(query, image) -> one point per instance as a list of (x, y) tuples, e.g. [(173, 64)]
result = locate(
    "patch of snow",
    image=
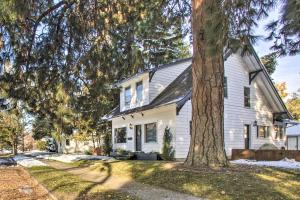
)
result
[(35, 153), (28, 162), (4, 151), (284, 163), (68, 158)]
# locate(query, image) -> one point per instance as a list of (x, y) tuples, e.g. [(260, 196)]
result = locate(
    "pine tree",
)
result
[(270, 62), (82, 47)]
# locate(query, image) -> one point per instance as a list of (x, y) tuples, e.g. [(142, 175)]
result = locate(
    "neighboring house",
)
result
[(70, 145), (155, 99), (293, 137)]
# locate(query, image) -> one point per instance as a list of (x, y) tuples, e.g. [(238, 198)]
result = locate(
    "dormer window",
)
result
[(139, 92), (127, 97)]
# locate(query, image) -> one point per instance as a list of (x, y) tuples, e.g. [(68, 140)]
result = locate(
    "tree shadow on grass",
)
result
[(83, 194), (209, 184)]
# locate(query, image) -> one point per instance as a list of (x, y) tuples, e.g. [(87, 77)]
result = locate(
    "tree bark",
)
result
[(207, 140)]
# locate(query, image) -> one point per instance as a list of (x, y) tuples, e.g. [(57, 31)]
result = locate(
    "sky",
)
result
[(288, 69)]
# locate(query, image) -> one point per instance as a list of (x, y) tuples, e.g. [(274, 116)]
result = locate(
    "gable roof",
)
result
[(177, 92), (153, 70), (180, 91)]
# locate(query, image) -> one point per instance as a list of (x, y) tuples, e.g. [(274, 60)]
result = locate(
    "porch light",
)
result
[(255, 123), (142, 114), (132, 116), (130, 126)]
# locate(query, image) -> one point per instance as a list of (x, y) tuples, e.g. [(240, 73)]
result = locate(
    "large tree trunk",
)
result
[(207, 140)]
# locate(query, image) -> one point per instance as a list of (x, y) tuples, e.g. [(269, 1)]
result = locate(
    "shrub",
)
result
[(168, 151), (107, 148), (41, 145), (268, 146), (88, 152)]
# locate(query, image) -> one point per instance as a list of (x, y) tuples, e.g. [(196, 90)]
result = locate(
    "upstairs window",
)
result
[(247, 97), (120, 135), (279, 132), (139, 92), (225, 87), (127, 97), (263, 131), (150, 133)]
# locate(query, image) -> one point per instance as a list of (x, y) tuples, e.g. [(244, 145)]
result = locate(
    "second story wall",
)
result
[(163, 77), (136, 100)]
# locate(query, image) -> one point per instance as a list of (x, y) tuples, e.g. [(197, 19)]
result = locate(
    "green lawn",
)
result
[(237, 182), (67, 186)]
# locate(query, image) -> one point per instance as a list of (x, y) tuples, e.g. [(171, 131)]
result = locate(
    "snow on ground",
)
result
[(35, 153), (27, 161), (285, 163), (4, 151), (68, 158)]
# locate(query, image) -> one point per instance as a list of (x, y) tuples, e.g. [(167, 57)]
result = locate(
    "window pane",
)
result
[(127, 96), (246, 96), (225, 87), (120, 135), (139, 91), (150, 132), (263, 131)]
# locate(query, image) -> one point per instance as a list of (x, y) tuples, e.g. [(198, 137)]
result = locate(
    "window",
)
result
[(139, 92), (120, 135), (67, 142), (279, 132), (263, 131), (127, 97), (150, 132), (247, 97), (225, 87)]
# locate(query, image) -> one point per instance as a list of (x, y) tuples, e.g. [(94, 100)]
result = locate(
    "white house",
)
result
[(155, 99), (293, 137)]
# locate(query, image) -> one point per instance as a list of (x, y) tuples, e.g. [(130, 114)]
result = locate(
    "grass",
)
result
[(68, 186), (8, 155), (236, 182)]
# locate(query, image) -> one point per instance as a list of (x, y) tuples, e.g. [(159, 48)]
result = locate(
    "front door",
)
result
[(247, 136), (138, 138)]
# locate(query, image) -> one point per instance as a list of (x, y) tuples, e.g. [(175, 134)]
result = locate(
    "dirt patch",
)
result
[(15, 183)]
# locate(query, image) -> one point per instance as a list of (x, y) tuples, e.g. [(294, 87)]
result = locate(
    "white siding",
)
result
[(163, 77), (132, 83), (293, 142), (182, 137), (235, 114), (163, 116), (75, 146)]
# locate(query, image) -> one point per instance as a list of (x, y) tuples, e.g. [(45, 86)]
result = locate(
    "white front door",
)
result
[(292, 143)]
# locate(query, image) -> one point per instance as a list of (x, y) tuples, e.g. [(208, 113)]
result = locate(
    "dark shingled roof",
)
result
[(179, 91)]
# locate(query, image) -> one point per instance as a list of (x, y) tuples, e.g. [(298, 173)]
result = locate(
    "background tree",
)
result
[(293, 105), (285, 30), (46, 45), (11, 129), (282, 90), (270, 62)]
